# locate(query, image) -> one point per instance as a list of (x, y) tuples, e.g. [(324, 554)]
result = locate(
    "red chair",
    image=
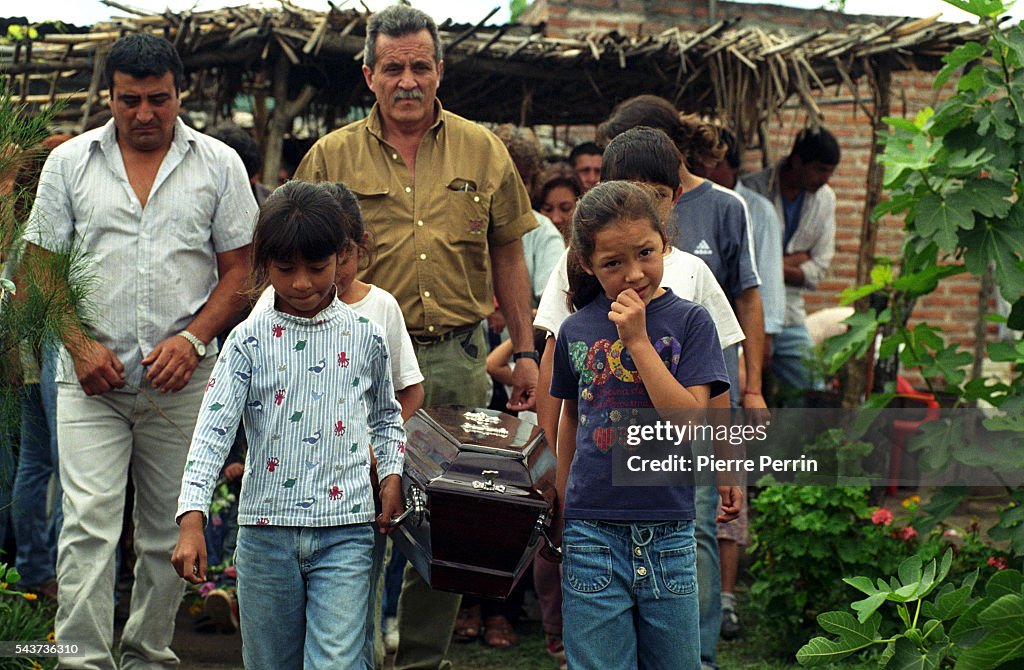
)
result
[(907, 396)]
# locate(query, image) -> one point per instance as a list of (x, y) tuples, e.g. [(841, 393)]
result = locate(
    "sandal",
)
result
[(498, 633), (467, 624)]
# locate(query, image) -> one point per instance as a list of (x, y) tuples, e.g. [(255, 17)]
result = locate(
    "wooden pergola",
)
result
[(307, 62)]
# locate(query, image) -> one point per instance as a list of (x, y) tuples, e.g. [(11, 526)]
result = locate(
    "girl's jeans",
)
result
[(302, 595), (629, 596)]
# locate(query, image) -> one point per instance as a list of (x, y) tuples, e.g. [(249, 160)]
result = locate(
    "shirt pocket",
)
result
[(469, 214), (189, 219), (373, 200)]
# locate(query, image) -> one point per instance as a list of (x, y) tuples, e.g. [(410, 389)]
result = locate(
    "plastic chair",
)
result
[(902, 429)]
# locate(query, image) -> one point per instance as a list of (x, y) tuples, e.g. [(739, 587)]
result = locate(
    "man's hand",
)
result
[(796, 259), (234, 471), (390, 502), (97, 367), (496, 322), (171, 364), (524, 385), (732, 500), (189, 557), (755, 408), (629, 314)]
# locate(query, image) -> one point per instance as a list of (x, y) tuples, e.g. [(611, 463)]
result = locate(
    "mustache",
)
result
[(414, 94)]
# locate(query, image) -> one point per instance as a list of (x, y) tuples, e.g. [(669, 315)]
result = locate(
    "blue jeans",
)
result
[(790, 351), (302, 595), (36, 533), (392, 583), (629, 596), (709, 572), (380, 546)]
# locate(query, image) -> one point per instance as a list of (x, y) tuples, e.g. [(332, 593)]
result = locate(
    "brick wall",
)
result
[(953, 307)]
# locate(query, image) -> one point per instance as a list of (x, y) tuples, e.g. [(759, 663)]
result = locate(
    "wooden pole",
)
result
[(880, 80), (273, 143), (284, 113)]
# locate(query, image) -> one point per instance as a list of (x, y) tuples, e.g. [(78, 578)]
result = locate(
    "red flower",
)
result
[(998, 562), (882, 517), (905, 533)]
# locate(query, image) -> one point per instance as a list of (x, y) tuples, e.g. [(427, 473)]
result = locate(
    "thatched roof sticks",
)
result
[(795, 42), (498, 34), (743, 59), (286, 48), (125, 8), (522, 45), (466, 34)]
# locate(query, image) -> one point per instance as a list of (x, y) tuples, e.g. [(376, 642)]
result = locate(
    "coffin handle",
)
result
[(549, 551), (415, 507)]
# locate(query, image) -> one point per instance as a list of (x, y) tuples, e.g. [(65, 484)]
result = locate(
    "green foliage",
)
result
[(954, 174), (49, 297), (806, 540), (516, 9), (22, 619), (936, 627)]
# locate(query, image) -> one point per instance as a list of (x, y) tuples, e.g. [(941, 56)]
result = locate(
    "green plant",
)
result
[(806, 539), (954, 174), (22, 619), (948, 629)]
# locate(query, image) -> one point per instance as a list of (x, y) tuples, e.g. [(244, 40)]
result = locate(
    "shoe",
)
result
[(391, 634), (730, 624), (555, 648), (219, 606)]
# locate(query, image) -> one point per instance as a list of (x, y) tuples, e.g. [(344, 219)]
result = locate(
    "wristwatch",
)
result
[(533, 355), (195, 342)]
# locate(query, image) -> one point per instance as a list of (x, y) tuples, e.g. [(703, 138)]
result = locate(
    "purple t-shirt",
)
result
[(593, 367)]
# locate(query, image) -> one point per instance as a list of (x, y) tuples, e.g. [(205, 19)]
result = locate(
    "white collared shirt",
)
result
[(154, 267)]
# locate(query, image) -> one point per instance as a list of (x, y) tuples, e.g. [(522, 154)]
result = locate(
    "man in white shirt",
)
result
[(806, 205), (165, 215)]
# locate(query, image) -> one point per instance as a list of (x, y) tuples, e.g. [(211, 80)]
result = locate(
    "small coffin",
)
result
[(478, 487)]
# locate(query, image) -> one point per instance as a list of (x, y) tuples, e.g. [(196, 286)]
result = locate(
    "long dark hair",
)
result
[(297, 220), (604, 205), (696, 140)]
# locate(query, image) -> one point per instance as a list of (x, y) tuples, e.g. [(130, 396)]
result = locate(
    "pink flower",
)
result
[(881, 517), (205, 588), (997, 562), (231, 572), (906, 533)]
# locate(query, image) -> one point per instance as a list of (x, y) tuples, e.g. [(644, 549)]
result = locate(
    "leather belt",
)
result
[(427, 340)]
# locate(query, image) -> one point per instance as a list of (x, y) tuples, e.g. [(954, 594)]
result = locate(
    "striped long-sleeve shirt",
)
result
[(314, 394)]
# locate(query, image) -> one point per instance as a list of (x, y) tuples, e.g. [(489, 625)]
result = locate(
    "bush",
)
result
[(806, 540)]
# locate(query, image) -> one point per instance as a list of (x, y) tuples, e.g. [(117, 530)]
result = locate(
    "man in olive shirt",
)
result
[(447, 210)]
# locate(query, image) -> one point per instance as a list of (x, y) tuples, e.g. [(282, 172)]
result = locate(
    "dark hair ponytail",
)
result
[(600, 207)]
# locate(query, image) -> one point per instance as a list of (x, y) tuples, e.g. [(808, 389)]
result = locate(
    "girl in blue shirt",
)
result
[(629, 579), (310, 379)]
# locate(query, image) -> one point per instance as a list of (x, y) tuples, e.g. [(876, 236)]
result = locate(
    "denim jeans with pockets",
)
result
[(302, 595), (629, 596)]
